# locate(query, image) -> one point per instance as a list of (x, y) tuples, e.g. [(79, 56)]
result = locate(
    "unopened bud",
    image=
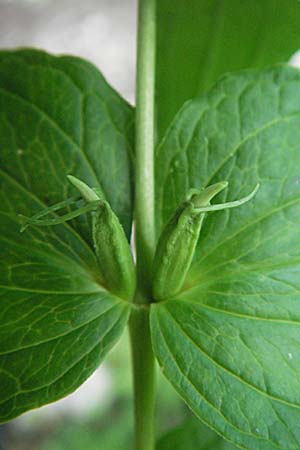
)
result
[(177, 243), (111, 246)]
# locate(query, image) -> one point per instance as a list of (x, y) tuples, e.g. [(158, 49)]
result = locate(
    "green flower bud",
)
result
[(111, 246), (177, 243)]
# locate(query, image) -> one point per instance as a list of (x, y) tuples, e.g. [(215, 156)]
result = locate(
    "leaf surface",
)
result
[(192, 435), (58, 116), (198, 41), (230, 341), (56, 320)]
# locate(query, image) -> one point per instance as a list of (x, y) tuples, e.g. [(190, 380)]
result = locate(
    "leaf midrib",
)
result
[(69, 368), (231, 152), (59, 336), (194, 407), (229, 372), (240, 230), (43, 291), (59, 260), (85, 93), (54, 125), (233, 313)]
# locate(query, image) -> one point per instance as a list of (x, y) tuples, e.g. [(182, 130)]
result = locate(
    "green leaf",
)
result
[(56, 321), (58, 116), (192, 435), (198, 41), (230, 341)]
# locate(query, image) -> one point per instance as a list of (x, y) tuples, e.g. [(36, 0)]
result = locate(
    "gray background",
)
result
[(103, 31)]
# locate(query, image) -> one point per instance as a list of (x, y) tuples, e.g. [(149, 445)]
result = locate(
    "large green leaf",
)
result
[(230, 341), (56, 322), (192, 435), (198, 41), (57, 116)]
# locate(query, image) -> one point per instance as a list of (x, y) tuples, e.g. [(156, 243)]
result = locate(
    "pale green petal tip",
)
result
[(228, 205), (221, 184), (87, 193), (202, 198)]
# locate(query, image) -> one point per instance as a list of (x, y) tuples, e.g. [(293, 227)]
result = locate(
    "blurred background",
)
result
[(102, 31), (98, 415)]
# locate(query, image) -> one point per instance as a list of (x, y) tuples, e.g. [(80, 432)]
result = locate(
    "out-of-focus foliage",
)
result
[(198, 41)]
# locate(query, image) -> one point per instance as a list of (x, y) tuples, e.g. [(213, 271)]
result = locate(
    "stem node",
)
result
[(142, 354)]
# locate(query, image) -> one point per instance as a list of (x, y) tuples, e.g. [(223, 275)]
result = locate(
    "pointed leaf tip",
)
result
[(87, 193)]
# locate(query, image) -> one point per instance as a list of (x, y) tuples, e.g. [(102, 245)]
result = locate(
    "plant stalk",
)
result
[(142, 354), (143, 379), (144, 166)]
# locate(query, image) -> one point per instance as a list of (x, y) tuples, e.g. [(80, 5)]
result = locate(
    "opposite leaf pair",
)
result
[(229, 340)]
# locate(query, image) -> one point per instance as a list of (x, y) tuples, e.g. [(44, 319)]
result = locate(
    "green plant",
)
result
[(220, 312)]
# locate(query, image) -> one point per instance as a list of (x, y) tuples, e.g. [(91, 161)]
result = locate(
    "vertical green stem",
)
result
[(144, 167), (142, 354), (144, 379)]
